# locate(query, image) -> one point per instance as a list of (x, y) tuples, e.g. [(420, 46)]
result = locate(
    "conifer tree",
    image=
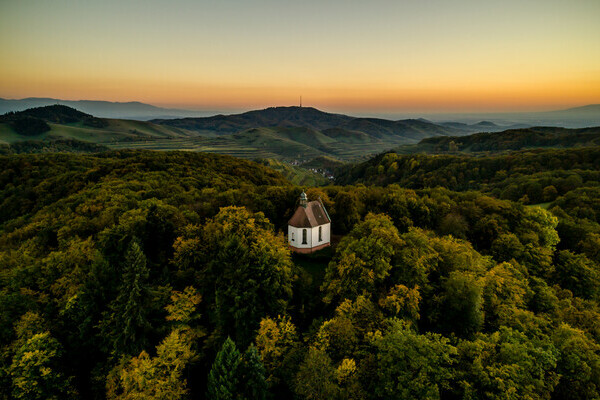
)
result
[(127, 322), (253, 383), (223, 376)]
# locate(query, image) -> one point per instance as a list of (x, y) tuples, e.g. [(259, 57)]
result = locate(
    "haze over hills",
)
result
[(103, 109), (578, 117), (291, 133), (283, 133)]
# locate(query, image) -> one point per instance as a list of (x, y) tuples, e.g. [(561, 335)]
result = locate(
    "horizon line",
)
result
[(332, 109)]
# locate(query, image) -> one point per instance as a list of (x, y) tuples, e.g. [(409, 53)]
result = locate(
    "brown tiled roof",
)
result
[(313, 215)]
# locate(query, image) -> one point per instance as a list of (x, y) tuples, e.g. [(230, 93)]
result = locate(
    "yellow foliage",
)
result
[(345, 370), (402, 301), (274, 339), (160, 377), (183, 304)]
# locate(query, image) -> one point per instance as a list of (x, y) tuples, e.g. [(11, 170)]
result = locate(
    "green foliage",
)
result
[(109, 260), (509, 176), (578, 364), (223, 376), (348, 331), (578, 274), (506, 365), (52, 146), (363, 259), (159, 377), (29, 126), (316, 377), (505, 290), (346, 212), (35, 370), (460, 309), (252, 376), (247, 271), (410, 365), (512, 139), (126, 325)]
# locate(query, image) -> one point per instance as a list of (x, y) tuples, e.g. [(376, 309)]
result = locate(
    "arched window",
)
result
[(320, 235), (304, 236)]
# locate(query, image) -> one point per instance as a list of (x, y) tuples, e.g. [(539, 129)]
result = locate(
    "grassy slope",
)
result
[(116, 130), (276, 143), (283, 143), (325, 162), (296, 175)]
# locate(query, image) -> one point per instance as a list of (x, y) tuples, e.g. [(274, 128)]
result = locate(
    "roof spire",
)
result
[(303, 199)]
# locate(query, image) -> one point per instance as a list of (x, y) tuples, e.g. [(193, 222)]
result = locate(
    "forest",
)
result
[(166, 275), (530, 176), (511, 139)]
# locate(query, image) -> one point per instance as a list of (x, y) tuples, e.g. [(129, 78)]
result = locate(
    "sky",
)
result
[(339, 55)]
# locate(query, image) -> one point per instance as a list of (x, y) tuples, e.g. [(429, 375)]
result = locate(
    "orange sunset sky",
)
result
[(342, 55)]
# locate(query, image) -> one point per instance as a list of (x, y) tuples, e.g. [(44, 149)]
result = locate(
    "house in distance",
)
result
[(309, 229)]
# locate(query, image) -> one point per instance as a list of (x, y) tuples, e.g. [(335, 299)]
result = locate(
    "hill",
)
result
[(325, 162), (512, 139), (104, 109), (300, 133), (270, 117), (309, 117), (283, 143), (57, 121), (291, 133), (540, 174)]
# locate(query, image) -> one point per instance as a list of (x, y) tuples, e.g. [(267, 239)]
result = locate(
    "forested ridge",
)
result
[(539, 174), (131, 274), (511, 139)]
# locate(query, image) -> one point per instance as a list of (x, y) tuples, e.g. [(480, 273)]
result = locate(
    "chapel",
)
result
[(309, 229)]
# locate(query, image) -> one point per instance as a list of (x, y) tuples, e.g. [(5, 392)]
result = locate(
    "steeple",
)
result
[(303, 199)]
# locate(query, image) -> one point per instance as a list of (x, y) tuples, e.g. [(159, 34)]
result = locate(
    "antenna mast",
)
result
[(300, 101)]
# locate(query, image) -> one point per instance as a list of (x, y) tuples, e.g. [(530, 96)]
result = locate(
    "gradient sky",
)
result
[(340, 55)]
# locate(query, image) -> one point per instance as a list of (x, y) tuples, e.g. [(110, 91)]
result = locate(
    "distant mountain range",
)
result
[(103, 109), (578, 117), (307, 117), (286, 133), (290, 133)]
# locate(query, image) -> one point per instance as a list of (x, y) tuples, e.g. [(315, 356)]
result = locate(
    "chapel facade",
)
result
[(309, 229)]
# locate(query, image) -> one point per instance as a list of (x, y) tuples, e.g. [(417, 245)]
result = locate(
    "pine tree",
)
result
[(127, 322), (253, 384), (223, 376)]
